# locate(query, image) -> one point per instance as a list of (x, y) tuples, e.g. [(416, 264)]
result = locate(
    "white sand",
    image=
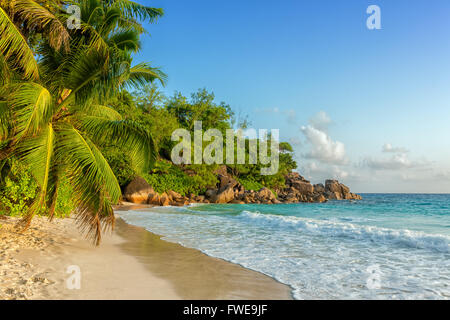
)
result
[(129, 264), (34, 265)]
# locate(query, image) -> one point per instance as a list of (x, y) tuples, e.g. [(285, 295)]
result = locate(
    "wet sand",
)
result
[(194, 274), (132, 263)]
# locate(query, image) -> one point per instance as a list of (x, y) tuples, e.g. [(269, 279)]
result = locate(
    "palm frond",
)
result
[(125, 134), (86, 163), (94, 184), (94, 223), (38, 154), (4, 121), (95, 39), (143, 74), (125, 40), (110, 21), (126, 23), (39, 17), (32, 108), (5, 71), (83, 73), (13, 45), (96, 110), (133, 9)]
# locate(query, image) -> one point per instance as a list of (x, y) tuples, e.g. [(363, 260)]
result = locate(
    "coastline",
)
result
[(131, 263)]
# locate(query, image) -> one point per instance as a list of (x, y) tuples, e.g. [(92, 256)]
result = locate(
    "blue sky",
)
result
[(369, 107)]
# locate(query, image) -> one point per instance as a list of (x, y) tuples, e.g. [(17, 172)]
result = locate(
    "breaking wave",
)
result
[(408, 238)]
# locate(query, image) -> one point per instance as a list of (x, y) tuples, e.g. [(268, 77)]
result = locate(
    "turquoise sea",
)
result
[(387, 246)]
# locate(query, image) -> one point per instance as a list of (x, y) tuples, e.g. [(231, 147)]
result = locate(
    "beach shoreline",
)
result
[(131, 263)]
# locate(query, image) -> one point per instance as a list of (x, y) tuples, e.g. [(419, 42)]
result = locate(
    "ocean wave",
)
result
[(192, 205), (408, 238)]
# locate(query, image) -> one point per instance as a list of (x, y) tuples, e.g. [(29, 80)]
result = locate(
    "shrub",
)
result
[(250, 184), (166, 176), (64, 201), (20, 189), (120, 164)]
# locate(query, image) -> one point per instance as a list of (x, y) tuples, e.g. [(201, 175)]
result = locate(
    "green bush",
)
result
[(120, 164), (64, 201), (20, 189), (250, 184), (166, 176)]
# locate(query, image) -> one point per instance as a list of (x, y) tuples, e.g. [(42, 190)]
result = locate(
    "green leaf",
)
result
[(37, 153), (39, 18), (14, 45), (32, 108), (143, 74), (94, 184), (126, 134), (96, 111), (133, 9)]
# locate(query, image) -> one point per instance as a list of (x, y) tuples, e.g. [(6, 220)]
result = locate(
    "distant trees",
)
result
[(201, 107), (178, 111)]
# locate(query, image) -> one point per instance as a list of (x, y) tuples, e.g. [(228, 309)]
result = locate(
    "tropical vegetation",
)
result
[(79, 120), (56, 84)]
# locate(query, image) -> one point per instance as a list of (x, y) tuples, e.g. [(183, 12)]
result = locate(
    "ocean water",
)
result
[(387, 246)]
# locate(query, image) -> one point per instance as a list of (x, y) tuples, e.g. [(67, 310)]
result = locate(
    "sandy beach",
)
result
[(131, 263)]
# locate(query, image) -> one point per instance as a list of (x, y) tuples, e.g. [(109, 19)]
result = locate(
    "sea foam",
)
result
[(409, 238)]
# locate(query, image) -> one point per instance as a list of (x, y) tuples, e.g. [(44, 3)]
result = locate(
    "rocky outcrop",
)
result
[(320, 188), (229, 190), (298, 189), (294, 181), (165, 200), (170, 198), (223, 196), (264, 195), (338, 191), (137, 191)]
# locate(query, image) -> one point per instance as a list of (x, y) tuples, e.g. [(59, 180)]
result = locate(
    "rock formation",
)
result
[(138, 191), (229, 190), (298, 189)]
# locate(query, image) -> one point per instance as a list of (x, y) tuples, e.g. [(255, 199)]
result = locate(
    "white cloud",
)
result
[(321, 121), (388, 148), (323, 148), (311, 167), (321, 172), (396, 162)]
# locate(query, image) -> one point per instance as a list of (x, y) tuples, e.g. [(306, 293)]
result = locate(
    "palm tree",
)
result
[(54, 112)]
